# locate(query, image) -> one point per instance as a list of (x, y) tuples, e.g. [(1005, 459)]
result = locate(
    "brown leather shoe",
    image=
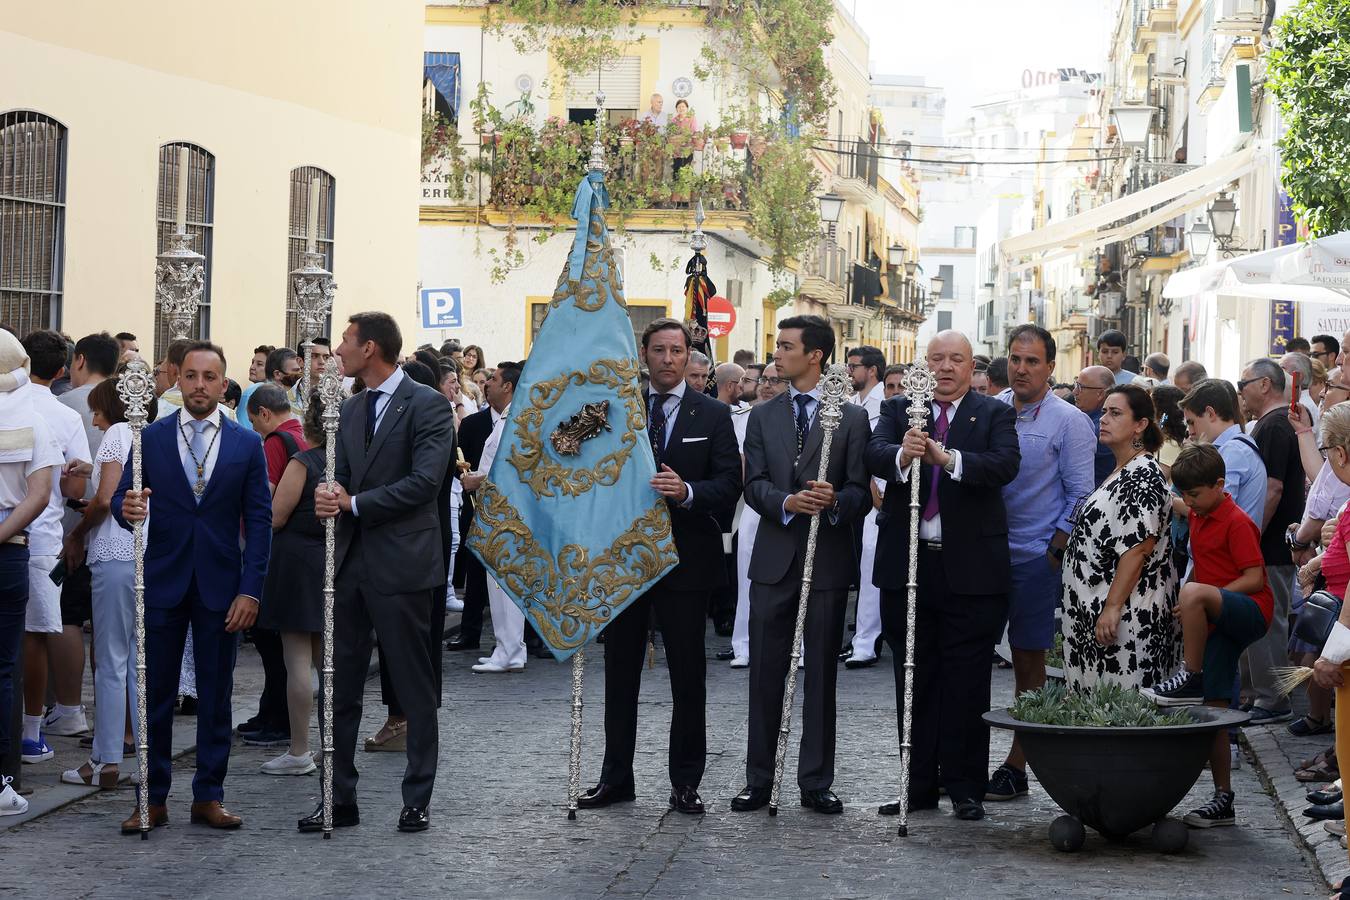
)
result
[(214, 813), (159, 815)]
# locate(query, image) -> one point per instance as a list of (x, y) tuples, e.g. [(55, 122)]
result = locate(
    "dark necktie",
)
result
[(940, 428), (372, 397), (657, 429), (803, 420)]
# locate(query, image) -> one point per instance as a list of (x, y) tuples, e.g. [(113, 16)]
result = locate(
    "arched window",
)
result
[(302, 182), (201, 201), (32, 219)]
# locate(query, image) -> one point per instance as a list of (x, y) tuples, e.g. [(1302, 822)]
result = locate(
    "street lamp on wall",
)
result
[(1200, 238), (937, 282), (895, 255), (911, 268), (1133, 121), (1223, 219), (831, 205)]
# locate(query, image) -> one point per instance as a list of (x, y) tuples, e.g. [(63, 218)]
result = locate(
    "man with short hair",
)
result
[(784, 484), (257, 374), (656, 115), (1089, 393), (743, 358), (865, 367), (53, 631), (1057, 444), (320, 352), (1325, 348), (1111, 345), (269, 411), (207, 476), (696, 373), (127, 342), (1156, 366), (727, 377), (998, 375), (95, 359), (1298, 345), (699, 475), (1265, 397), (894, 381), (1211, 415), (750, 384), (1301, 365), (166, 384), (1188, 374)]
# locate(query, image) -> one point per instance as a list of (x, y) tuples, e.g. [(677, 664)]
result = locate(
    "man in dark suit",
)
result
[(783, 484), (699, 474), (394, 443), (208, 475), (472, 436), (964, 570)]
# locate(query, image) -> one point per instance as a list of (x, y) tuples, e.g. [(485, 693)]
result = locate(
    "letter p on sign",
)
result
[(442, 308)]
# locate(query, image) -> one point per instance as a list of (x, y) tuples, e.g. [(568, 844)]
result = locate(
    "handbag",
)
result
[(1317, 617)]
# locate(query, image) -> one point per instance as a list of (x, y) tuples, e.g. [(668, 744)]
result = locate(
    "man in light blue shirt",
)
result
[(1057, 442), (1211, 415)]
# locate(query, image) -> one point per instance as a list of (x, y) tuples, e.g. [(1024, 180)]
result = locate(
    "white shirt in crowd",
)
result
[(931, 529), (209, 437), (14, 475), (110, 541), (67, 432)]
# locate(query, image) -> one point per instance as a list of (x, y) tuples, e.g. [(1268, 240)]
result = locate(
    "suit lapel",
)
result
[(393, 411), (684, 413), (787, 425), (168, 445), (355, 435), (962, 418)]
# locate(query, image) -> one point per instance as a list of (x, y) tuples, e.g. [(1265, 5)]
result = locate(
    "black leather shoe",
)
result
[(750, 799), (603, 795), (686, 800), (915, 804), (720, 656), (344, 816), (1326, 810), (846, 652), (968, 810), (822, 802), (459, 643), (1330, 795), (860, 663), (414, 818)]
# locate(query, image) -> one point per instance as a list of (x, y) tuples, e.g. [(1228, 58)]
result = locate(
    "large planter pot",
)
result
[(1118, 780)]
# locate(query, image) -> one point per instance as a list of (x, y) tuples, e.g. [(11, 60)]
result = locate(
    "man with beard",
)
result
[(865, 368)]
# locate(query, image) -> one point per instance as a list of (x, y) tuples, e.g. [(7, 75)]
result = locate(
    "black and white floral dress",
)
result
[(1131, 506)]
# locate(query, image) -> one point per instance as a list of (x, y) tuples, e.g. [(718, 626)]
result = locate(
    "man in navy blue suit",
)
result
[(207, 475)]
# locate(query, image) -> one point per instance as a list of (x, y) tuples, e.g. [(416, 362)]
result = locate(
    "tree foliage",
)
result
[(1309, 73)]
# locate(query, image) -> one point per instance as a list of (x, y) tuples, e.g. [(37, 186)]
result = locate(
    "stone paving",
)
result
[(499, 828)]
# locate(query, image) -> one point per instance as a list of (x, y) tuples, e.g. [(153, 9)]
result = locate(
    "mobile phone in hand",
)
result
[(58, 572), (1294, 395)]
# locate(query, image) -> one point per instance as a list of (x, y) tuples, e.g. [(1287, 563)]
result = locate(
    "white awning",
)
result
[(1175, 196)]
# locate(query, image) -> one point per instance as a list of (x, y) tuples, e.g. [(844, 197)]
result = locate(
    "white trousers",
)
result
[(745, 545), (508, 627), (868, 615)]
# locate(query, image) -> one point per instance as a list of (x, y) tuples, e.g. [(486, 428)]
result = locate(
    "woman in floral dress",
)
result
[(1120, 583)]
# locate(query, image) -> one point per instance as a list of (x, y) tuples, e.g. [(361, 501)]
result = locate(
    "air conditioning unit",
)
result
[(1109, 303), (1169, 61), (849, 328), (1240, 17)]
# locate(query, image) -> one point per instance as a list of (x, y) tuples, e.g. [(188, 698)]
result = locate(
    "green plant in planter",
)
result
[(779, 297), (443, 159), (781, 196), (1104, 705)]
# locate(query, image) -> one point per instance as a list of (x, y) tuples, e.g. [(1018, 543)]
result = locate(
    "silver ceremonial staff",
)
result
[(919, 383), (137, 390), (833, 389), (330, 394)]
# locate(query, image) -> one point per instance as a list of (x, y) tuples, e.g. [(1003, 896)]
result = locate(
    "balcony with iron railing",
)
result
[(856, 173), (824, 273)]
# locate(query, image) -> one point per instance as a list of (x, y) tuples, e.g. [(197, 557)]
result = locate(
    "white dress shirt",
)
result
[(493, 441), (209, 437), (386, 393), (671, 408), (871, 404), (931, 529), (811, 408)]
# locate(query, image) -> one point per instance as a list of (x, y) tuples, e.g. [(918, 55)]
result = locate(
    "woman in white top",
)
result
[(110, 554)]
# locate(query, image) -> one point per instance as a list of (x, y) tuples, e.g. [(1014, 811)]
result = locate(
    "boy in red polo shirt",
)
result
[(1224, 607)]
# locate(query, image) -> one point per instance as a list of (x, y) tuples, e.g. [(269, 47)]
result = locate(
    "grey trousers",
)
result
[(1272, 651), (402, 623)]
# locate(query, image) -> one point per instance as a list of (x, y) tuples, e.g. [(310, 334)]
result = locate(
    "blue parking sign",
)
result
[(442, 308)]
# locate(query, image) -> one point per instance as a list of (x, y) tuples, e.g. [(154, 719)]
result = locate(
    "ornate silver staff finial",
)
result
[(330, 394), (698, 241), (597, 162), (312, 293), (180, 278), (919, 384), (136, 387), (834, 386)]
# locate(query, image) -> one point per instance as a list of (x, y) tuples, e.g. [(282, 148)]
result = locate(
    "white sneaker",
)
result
[(484, 660), (11, 804), (493, 668), (286, 764), (453, 603), (740, 662), (67, 725)]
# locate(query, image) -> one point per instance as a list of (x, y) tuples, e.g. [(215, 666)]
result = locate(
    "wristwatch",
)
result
[(1295, 543), (950, 466)]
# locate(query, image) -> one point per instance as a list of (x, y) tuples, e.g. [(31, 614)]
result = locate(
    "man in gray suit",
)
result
[(782, 468), (395, 441)]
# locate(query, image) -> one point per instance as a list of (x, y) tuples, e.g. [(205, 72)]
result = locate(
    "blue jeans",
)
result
[(13, 605), (114, 597)]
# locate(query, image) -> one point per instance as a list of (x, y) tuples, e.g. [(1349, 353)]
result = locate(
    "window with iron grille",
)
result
[(302, 182), (32, 219), (201, 201)]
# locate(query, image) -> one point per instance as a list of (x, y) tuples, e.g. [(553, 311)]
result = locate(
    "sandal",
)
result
[(1321, 772), (1320, 758), (1307, 726), (1334, 826), (390, 738), (105, 775)]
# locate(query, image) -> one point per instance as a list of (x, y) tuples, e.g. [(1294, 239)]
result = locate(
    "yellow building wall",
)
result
[(263, 86)]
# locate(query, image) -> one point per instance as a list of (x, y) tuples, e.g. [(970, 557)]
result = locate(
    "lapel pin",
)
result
[(972, 418)]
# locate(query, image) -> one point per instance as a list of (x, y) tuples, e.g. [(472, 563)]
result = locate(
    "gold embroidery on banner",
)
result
[(588, 293), (544, 475), (574, 594)]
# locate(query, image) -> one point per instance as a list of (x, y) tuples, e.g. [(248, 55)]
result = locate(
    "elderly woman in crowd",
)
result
[(1119, 579)]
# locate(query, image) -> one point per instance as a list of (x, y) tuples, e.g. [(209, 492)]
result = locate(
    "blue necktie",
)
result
[(372, 397), (194, 464), (803, 420)]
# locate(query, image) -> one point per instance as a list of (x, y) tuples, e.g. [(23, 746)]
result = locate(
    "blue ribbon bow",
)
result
[(589, 192)]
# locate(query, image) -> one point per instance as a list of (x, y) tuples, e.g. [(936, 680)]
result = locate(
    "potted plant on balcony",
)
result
[(1111, 759)]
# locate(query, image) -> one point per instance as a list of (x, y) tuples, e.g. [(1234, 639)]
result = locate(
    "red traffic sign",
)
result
[(721, 317)]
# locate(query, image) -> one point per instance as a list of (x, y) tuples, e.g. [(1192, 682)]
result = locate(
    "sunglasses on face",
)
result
[(1243, 383)]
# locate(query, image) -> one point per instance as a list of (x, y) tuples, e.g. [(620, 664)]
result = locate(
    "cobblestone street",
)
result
[(499, 829)]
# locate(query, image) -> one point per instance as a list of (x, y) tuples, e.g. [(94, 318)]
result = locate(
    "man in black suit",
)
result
[(964, 570), (473, 435), (699, 474), (394, 443), (784, 485)]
